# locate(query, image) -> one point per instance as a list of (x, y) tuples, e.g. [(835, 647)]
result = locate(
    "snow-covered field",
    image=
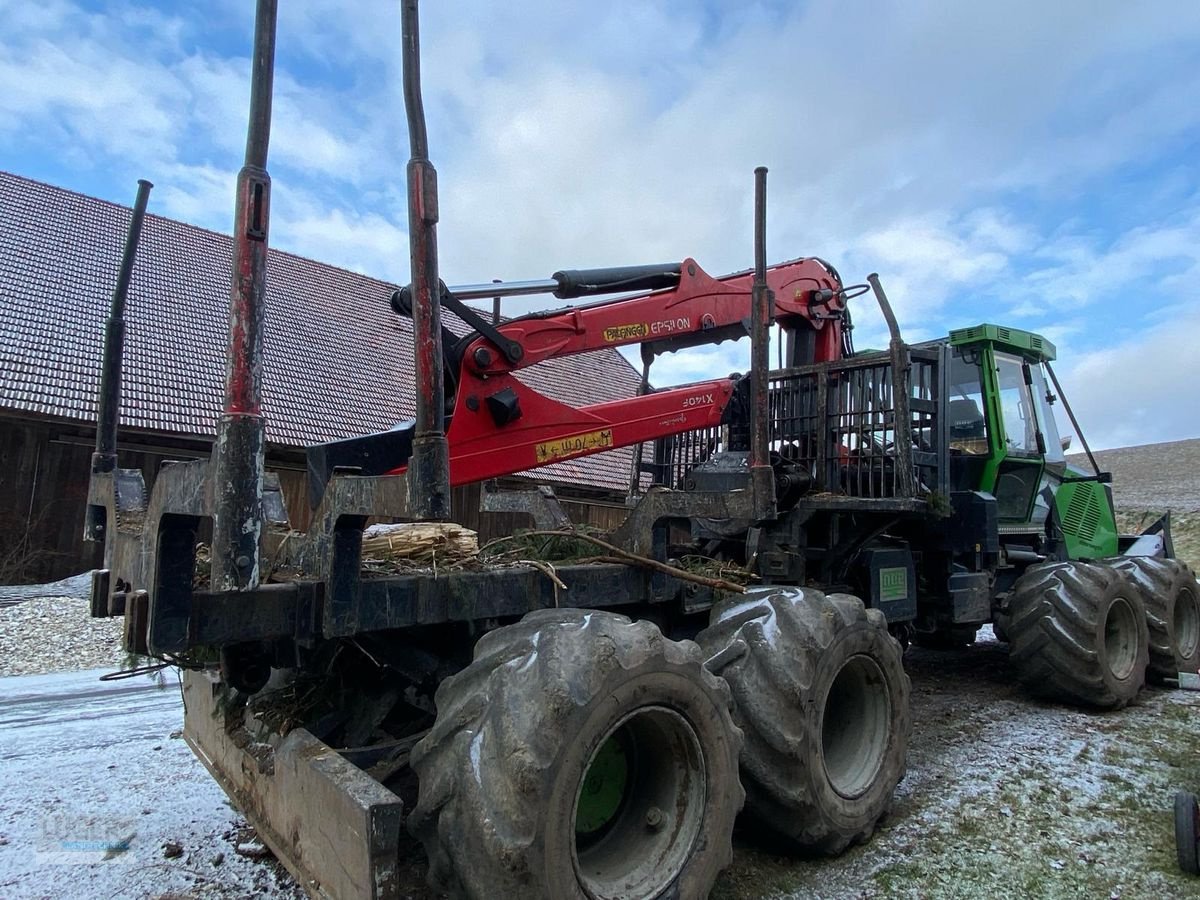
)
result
[(95, 784)]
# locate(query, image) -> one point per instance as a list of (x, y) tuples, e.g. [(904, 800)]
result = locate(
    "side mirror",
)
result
[(1066, 442)]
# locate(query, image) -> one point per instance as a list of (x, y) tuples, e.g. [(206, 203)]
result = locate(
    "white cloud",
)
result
[(698, 364), (1139, 390), (365, 243), (1156, 259), (1028, 309), (932, 143), (926, 262), (202, 195), (83, 98)]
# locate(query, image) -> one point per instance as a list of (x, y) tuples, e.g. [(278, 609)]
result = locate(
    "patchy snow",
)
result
[(1010, 797), (95, 784), (48, 628), (77, 587)]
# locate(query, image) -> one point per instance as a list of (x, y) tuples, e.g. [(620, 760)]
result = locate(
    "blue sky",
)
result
[(1029, 163)]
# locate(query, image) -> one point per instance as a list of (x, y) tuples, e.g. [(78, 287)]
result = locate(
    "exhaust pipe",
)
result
[(105, 457), (108, 406), (905, 479), (238, 454)]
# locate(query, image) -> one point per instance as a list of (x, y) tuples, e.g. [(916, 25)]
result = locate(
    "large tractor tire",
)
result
[(580, 755), (1077, 633), (820, 692), (1169, 593)]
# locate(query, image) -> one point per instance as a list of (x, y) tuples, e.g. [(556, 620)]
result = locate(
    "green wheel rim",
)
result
[(603, 788)]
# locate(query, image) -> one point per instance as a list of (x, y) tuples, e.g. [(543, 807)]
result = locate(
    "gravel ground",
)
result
[(77, 586), (47, 628)]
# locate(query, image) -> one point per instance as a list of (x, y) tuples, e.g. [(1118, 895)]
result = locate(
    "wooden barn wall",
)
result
[(43, 494), (44, 471)]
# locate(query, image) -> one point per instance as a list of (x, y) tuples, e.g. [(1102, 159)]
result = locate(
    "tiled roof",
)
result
[(338, 361)]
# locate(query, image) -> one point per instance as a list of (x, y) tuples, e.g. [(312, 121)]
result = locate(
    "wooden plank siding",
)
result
[(44, 471)]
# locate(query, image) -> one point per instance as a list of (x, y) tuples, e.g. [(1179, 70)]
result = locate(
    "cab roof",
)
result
[(1026, 343)]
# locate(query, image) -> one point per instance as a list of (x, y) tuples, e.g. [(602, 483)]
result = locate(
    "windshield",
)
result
[(1045, 399), (1016, 408)]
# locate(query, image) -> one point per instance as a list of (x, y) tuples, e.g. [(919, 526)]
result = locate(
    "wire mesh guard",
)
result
[(836, 422)]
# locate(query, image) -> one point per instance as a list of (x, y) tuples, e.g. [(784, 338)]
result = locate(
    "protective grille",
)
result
[(675, 456), (1082, 517), (838, 423)]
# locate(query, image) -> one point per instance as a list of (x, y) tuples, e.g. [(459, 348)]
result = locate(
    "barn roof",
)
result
[(338, 361)]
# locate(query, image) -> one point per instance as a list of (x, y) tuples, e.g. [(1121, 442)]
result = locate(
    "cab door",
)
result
[(1014, 474)]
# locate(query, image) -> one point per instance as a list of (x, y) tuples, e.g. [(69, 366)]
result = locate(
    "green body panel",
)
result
[(1086, 515), (995, 419)]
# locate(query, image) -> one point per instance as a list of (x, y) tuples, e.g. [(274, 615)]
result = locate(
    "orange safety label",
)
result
[(625, 332), (549, 451)]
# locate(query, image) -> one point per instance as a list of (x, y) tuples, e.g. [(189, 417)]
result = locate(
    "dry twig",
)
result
[(548, 570)]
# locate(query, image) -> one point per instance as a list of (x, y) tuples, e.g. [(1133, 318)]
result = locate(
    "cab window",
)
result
[(968, 431)]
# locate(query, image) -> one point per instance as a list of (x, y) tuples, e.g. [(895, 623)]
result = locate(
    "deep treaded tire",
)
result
[(567, 700), (1077, 633), (1169, 593), (822, 697)]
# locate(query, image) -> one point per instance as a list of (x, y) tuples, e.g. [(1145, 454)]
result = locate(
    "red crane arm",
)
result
[(700, 310), (549, 431), (501, 426)]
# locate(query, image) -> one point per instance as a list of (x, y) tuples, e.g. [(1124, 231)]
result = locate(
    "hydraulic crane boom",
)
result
[(500, 426), (699, 310)]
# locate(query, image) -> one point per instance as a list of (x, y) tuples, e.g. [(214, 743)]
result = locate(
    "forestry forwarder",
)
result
[(597, 751)]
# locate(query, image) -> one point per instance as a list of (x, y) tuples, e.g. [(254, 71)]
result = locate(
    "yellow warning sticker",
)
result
[(625, 332), (549, 451)]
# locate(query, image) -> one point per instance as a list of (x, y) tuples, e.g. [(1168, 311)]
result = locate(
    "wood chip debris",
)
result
[(419, 542)]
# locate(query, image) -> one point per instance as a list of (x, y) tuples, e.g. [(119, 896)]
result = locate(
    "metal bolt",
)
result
[(655, 818), (242, 561), (483, 357)]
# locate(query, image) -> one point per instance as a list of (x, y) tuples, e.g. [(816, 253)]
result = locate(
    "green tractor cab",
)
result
[(1004, 440)]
